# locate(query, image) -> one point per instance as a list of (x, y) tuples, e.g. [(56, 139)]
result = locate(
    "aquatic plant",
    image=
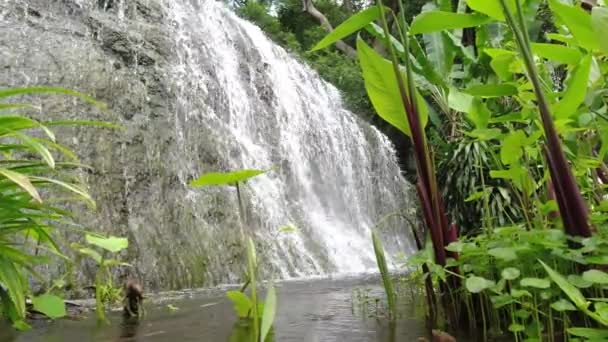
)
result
[(105, 291), (261, 313)]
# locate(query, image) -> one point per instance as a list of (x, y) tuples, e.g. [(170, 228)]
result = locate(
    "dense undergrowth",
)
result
[(524, 113)]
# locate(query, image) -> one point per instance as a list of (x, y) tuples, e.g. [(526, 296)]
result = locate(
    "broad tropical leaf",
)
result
[(226, 178), (349, 26), (383, 89), (112, 244), (436, 21), (51, 306)]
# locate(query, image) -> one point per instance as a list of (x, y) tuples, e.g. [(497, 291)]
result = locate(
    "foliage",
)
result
[(105, 292), (34, 167), (490, 89)]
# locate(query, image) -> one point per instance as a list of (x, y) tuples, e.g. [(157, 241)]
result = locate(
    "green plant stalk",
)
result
[(386, 277), (99, 305), (251, 265)]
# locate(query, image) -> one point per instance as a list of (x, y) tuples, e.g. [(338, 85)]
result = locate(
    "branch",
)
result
[(309, 7)]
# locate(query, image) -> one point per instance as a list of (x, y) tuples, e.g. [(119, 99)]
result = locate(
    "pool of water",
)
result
[(313, 310)]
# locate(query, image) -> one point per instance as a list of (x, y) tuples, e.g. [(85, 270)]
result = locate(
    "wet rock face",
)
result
[(120, 59), (198, 90)]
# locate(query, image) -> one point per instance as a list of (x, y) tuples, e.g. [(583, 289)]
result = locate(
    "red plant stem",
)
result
[(570, 201)]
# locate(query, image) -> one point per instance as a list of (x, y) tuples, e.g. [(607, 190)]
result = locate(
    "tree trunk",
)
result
[(309, 7)]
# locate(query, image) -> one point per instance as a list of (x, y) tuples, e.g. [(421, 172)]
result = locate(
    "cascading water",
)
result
[(201, 90)]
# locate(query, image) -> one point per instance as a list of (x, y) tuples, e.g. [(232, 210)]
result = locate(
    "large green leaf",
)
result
[(242, 304), (576, 91), (578, 22), (512, 147), (590, 333), (492, 90), (383, 89), (510, 273), (503, 253), (439, 21), (349, 26), (596, 277), (557, 53), (226, 178), (23, 181), (477, 284), (270, 307), (599, 20), (49, 305), (112, 244), (572, 292), (460, 101), (492, 8), (535, 282)]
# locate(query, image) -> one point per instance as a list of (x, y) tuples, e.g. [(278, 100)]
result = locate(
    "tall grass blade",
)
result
[(386, 277)]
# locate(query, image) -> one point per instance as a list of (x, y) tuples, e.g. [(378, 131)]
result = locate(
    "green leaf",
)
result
[(455, 246), (91, 253), (8, 92), (460, 101), (492, 90), (477, 284), (242, 303), (557, 53), (516, 327), (484, 133), (479, 114), (349, 26), (435, 21), (23, 181), (576, 91), (510, 273), (512, 147), (288, 228), (270, 306), (578, 22), (596, 277), (35, 145), (226, 178), (578, 281), (535, 282), (563, 305), (112, 244), (572, 292), (71, 187), (51, 306), (492, 8), (383, 90), (589, 333), (503, 253), (599, 20), (517, 293), (10, 280)]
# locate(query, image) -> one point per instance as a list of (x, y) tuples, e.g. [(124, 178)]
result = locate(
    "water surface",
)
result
[(319, 310)]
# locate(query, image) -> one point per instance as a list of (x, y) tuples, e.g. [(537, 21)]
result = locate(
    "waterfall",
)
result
[(202, 90)]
